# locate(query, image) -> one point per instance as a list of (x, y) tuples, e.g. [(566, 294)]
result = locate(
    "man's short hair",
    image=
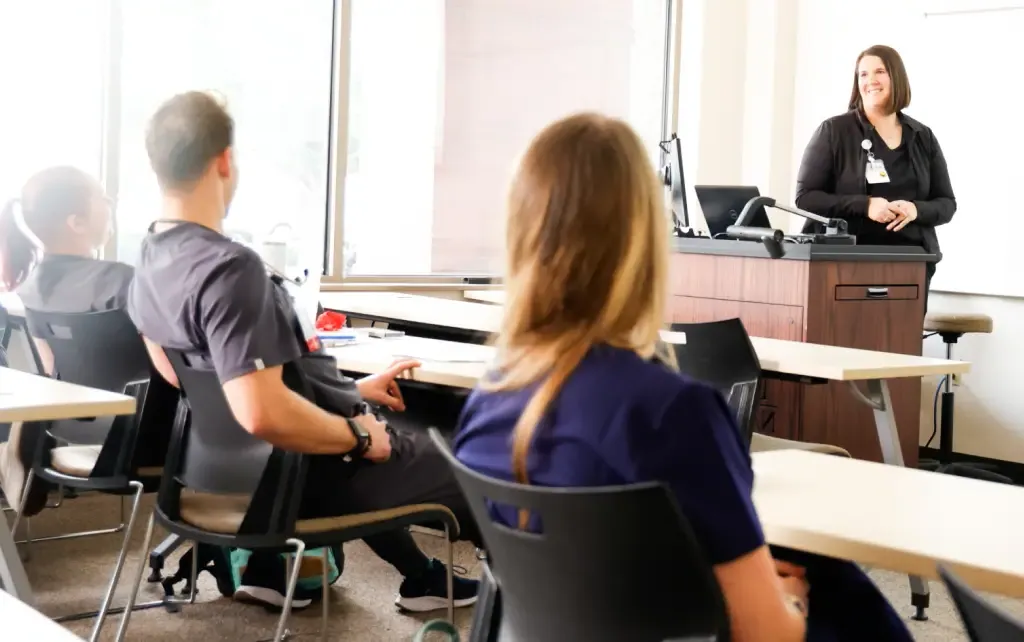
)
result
[(184, 136)]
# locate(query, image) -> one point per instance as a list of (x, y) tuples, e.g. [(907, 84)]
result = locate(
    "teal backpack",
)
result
[(226, 564), (240, 558)]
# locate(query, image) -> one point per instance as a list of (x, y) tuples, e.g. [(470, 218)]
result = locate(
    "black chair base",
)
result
[(158, 556), (920, 602)]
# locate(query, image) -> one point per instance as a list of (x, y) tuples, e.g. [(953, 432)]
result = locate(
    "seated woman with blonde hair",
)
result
[(577, 399)]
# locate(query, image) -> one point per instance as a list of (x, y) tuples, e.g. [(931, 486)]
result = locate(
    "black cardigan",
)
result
[(831, 179)]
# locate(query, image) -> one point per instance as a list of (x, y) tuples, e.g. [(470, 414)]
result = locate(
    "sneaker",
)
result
[(268, 597), (430, 592), (263, 582)]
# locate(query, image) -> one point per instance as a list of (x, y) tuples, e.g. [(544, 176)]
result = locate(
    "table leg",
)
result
[(12, 572), (880, 402)]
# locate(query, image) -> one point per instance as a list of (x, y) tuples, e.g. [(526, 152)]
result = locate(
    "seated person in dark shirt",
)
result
[(49, 240), (576, 397), (198, 291)]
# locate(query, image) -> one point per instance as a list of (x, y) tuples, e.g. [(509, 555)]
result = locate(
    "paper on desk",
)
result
[(444, 353)]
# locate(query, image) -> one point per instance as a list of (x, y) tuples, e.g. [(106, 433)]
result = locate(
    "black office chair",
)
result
[(984, 622), (578, 578), (100, 350), (720, 354), (223, 487)]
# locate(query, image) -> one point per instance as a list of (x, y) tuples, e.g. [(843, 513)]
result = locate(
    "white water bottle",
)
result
[(274, 249)]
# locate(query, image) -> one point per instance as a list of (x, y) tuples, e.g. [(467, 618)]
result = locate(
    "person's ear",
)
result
[(78, 224), (225, 163)]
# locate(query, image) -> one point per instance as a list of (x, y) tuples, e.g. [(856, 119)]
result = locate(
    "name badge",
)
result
[(876, 172)]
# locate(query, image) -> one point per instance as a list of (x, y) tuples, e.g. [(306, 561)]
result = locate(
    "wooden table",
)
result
[(496, 297), (900, 519), (23, 622), (461, 366), (458, 365), (416, 310), (29, 397), (12, 303), (804, 362)]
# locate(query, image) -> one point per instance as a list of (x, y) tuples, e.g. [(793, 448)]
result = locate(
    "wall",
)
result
[(766, 73), (510, 68)]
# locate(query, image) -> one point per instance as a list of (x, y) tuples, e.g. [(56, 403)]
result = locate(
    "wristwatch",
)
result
[(363, 440)]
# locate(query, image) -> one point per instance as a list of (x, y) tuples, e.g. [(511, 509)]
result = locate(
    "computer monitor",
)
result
[(722, 205), (672, 174)]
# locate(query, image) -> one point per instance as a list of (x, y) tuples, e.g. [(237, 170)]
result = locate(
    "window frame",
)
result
[(334, 260)]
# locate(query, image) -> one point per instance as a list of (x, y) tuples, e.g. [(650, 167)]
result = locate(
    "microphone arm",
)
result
[(772, 239), (833, 226)]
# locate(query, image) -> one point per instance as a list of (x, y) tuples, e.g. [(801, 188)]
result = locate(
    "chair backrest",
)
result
[(100, 350), (21, 349), (211, 452), (984, 622), (720, 354), (581, 576), (220, 455)]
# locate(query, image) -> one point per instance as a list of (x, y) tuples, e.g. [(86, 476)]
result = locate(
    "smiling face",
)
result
[(875, 84)]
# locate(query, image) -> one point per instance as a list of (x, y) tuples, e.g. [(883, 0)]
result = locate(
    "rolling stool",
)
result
[(951, 327)]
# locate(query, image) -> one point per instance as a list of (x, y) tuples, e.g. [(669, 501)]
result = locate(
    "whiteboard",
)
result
[(963, 70)]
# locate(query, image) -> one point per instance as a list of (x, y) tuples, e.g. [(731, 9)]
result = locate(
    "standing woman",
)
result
[(876, 167)]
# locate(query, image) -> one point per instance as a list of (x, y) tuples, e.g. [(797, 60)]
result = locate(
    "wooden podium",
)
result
[(869, 297)]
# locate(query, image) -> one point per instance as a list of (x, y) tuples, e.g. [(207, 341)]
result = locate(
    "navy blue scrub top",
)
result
[(620, 419)]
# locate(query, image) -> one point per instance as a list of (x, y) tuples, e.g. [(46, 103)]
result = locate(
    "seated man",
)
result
[(198, 291)]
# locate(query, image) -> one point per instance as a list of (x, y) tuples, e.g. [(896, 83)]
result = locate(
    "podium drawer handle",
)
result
[(878, 293)]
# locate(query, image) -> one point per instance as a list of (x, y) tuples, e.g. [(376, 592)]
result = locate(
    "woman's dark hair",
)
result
[(899, 84), (47, 200)]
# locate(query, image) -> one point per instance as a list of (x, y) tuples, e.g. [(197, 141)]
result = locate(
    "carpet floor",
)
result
[(70, 576)]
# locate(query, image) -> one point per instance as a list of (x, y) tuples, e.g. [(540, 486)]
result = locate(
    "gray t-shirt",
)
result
[(197, 291), (72, 284)]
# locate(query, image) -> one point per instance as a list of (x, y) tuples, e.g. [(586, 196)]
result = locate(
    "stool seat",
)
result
[(957, 322)]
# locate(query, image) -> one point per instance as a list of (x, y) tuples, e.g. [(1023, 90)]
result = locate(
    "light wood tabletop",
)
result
[(496, 297), (445, 363), (787, 357), (397, 307), (776, 355), (18, 616), (12, 303), (29, 397), (900, 519), (840, 364)]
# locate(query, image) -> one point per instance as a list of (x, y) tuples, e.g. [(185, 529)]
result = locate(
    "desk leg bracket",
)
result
[(879, 400)]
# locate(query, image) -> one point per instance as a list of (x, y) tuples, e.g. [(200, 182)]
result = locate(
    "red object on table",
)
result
[(330, 321)]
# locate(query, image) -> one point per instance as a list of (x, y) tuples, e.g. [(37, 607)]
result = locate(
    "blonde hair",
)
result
[(587, 259)]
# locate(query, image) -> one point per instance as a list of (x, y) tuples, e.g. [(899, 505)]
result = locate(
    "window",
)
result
[(421, 106), (444, 95), (272, 63), (52, 68)]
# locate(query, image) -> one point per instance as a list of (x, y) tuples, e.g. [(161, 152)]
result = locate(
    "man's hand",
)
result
[(382, 389), (905, 212), (380, 439), (880, 210)]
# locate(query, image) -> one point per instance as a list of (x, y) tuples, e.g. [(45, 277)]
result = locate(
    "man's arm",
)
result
[(269, 410), (249, 338)]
